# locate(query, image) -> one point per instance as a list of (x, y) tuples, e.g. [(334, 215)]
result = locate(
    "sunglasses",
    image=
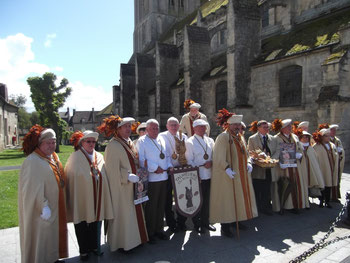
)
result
[(90, 142)]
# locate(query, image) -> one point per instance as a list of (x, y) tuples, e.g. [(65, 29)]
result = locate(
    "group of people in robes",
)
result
[(94, 190)]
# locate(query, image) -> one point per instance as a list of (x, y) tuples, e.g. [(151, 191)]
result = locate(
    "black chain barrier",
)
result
[(322, 243)]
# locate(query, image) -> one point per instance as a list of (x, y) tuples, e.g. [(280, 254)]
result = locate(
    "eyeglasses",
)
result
[(90, 142)]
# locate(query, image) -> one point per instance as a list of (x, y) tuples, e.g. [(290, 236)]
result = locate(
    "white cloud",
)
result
[(58, 69), (85, 97), (48, 40), (17, 64)]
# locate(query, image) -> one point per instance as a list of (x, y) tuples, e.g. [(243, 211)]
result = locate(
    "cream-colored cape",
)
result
[(338, 143), (37, 187), (222, 204), (302, 188), (185, 124), (123, 231), (80, 190), (330, 177), (314, 178)]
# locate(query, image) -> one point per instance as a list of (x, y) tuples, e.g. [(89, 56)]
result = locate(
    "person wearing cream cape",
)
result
[(232, 196), (310, 167), (186, 123), (88, 195), (327, 156), (41, 200), (335, 194), (291, 186), (128, 229)]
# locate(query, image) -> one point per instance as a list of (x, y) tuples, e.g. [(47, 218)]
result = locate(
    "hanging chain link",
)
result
[(322, 243)]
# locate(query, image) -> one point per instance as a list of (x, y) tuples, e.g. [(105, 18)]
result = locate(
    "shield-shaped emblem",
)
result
[(187, 191)]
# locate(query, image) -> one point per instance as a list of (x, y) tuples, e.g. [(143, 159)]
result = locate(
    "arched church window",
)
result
[(265, 17), (221, 95), (290, 86)]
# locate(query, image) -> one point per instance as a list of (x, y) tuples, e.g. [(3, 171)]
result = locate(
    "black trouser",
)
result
[(262, 189), (154, 208), (325, 195), (87, 236), (169, 214), (202, 217)]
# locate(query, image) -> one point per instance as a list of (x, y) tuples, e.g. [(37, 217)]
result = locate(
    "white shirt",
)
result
[(150, 149), (195, 153), (171, 146)]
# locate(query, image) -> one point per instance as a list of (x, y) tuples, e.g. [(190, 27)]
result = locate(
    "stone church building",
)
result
[(264, 59)]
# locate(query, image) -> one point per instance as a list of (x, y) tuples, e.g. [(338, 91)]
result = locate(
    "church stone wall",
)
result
[(265, 96), (145, 83)]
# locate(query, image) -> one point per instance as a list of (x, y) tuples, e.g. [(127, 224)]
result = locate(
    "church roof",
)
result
[(108, 110), (206, 9), (305, 37)]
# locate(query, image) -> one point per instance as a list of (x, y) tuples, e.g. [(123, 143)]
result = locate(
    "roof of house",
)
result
[(85, 116), (108, 110)]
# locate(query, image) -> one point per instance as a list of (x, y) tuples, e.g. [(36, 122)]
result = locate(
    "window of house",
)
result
[(222, 37), (290, 86), (181, 4), (221, 95)]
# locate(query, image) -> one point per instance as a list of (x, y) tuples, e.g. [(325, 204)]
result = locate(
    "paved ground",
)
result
[(8, 168), (269, 239)]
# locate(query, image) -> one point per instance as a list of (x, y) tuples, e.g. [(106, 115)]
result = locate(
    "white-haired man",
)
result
[(199, 150), (169, 138), (154, 156)]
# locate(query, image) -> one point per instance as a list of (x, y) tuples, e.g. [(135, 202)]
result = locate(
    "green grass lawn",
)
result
[(14, 157), (8, 197), (9, 184), (11, 157)]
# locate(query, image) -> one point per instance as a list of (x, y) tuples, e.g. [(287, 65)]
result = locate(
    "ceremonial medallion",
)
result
[(161, 156), (206, 156), (174, 156)]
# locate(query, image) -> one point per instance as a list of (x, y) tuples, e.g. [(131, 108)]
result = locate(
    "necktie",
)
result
[(265, 147)]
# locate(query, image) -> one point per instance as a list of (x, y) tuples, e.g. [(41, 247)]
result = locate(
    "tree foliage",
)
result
[(19, 100), (47, 99)]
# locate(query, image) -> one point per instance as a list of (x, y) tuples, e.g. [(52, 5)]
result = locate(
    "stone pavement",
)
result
[(269, 239), (8, 168)]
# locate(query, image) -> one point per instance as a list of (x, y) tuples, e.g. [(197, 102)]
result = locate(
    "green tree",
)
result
[(24, 119), (19, 100), (34, 118), (47, 99), (23, 115)]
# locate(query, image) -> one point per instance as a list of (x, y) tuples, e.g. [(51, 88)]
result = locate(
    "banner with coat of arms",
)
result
[(187, 191)]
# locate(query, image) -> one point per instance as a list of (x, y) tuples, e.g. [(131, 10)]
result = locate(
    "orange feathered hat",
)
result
[(276, 125), (31, 139), (222, 118), (110, 125), (295, 126), (75, 139), (317, 136), (188, 103), (134, 127), (254, 126), (323, 126)]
